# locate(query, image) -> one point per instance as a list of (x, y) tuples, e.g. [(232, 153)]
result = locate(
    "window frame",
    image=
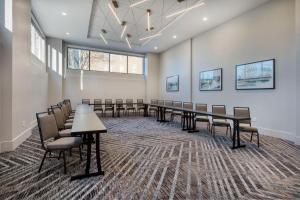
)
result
[(109, 60)]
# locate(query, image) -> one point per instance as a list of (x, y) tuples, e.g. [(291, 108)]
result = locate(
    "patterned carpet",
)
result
[(144, 159)]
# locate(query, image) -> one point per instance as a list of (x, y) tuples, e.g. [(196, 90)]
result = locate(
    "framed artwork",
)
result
[(172, 83), (255, 76), (211, 80)]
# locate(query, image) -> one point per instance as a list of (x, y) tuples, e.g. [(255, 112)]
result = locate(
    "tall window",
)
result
[(37, 44), (99, 61), (78, 59), (8, 15), (135, 65), (118, 63)]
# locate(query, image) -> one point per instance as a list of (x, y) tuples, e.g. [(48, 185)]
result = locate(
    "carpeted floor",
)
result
[(144, 159)]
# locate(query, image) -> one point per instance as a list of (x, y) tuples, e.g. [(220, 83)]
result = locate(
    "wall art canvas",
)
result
[(211, 80), (256, 75), (172, 83)]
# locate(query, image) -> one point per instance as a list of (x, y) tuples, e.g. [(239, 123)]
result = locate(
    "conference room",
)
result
[(149, 99)]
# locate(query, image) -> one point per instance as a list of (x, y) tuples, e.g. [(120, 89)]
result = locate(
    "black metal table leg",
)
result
[(98, 155), (145, 110), (193, 128), (236, 136), (157, 113)]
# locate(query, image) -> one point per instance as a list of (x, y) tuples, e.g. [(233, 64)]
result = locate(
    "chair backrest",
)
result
[(65, 111), (59, 118), (47, 126), (242, 112), (140, 102), (160, 102), (201, 107), (177, 104), (168, 103), (129, 102), (153, 101), (86, 101), (218, 109), (119, 102), (108, 103), (188, 105), (97, 102), (67, 102)]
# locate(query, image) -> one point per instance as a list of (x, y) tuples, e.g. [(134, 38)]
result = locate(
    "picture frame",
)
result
[(172, 83), (211, 80), (259, 75)]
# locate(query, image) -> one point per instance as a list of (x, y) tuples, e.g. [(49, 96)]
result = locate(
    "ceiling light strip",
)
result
[(137, 3), (103, 38), (128, 43), (114, 13), (152, 36), (185, 10), (148, 20), (123, 31)]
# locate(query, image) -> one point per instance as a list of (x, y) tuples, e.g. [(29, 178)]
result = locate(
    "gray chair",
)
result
[(129, 106), (245, 125), (170, 104), (177, 104), (217, 121), (86, 101), (50, 140), (153, 108), (120, 106), (98, 105), (64, 131), (202, 118), (140, 105), (108, 106)]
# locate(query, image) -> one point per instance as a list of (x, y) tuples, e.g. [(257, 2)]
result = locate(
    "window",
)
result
[(99, 61), (8, 15), (118, 63), (37, 44), (135, 65), (78, 59), (81, 59)]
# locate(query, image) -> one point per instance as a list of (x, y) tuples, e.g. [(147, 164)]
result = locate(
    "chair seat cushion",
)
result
[(248, 128), (153, 108), (71, 116), (69, 121), (65, 133), (176, 112), (68, 125), (202, 118), (130, 108), (168, 110), (64, 143), (220, 122)]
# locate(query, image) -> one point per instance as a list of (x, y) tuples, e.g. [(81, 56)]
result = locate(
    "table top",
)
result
[(86, 121)]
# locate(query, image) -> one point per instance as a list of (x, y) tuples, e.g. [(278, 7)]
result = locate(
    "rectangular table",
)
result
[(189, 121), (86, 123)]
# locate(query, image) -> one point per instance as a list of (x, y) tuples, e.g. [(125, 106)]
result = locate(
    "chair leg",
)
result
[(59, 155), (257, 134), (230, 130), (226, 130), (251, 137), (80, 154), (65, 166), (70, 152), (43, 161)]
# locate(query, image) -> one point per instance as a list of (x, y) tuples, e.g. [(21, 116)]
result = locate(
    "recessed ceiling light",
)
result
[(63, 13), (205, 19), (174, 36), (155, 48), (67, 33)]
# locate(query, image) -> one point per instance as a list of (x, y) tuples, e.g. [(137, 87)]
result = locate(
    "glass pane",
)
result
[(78, 59), (118, 63), (135, 65), (99, 61)]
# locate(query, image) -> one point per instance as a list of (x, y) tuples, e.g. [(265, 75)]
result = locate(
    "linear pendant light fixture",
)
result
[(185, 10), (152, 36), (102, 36), (127, 40), (124, 29), (137, 3), (148, 19), (114, 13)]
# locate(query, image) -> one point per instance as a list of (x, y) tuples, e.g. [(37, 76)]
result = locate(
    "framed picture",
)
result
[(211, 80), (172, 83), (255, 76)]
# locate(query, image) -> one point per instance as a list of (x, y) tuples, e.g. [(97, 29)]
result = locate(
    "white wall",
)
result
[(264, 33), (176, 61), (298, 66), (152, 76), (55, 71)]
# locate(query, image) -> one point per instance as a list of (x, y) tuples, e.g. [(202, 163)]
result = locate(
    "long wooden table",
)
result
[(86, 123), (189, 121)]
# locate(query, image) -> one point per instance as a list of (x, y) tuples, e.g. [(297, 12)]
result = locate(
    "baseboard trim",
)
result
[(280, 134), (10, 145)]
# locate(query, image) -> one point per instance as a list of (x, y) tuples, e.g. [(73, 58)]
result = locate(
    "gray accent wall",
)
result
[(265, 32)]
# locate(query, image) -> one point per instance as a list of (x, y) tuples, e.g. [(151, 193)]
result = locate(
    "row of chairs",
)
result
[(55, 132), (245, 125), (127, 107)]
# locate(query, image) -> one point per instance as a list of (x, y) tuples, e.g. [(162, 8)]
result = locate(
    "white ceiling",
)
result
[(86, 18)]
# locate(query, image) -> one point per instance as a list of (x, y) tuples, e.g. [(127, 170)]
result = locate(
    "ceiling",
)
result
[(86, 19)]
